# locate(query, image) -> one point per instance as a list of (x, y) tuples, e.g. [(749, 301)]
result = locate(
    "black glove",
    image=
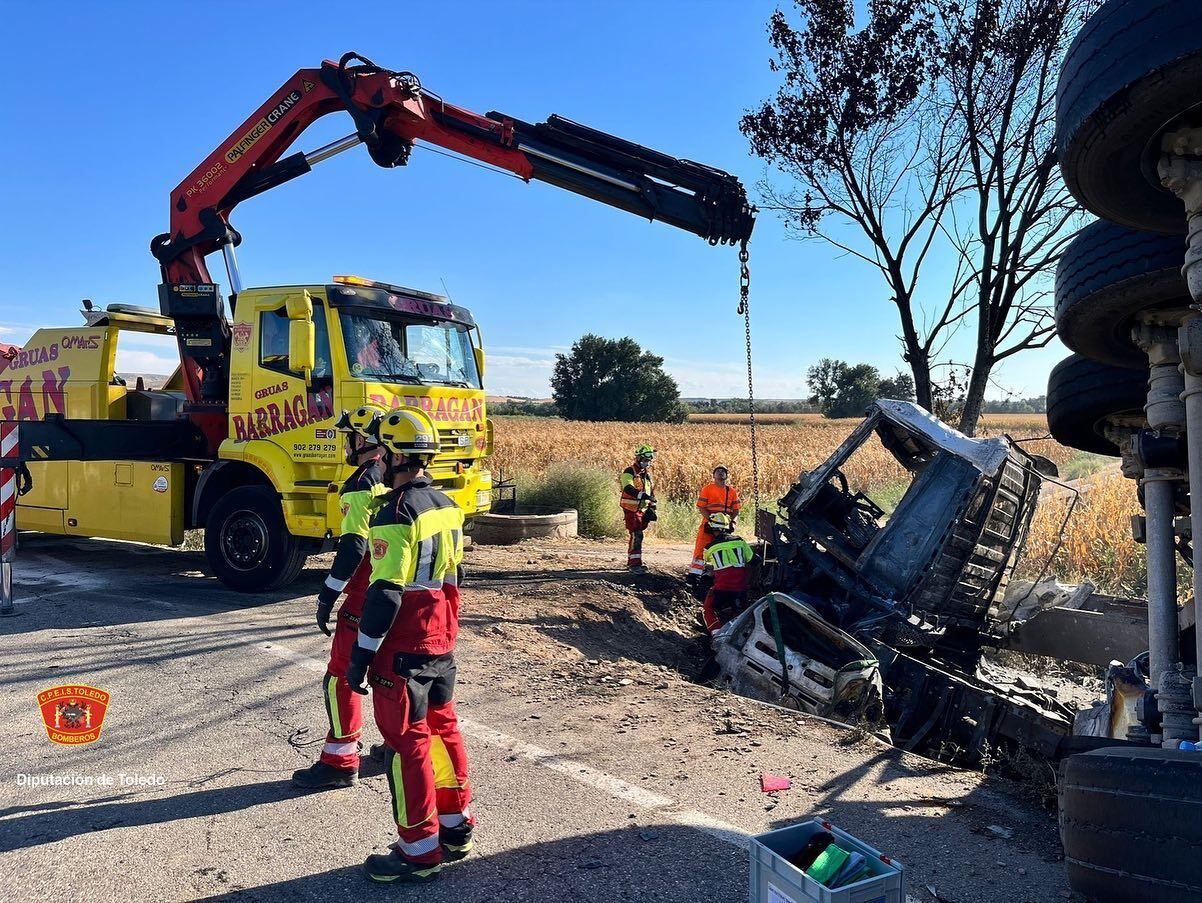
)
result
[(356, 672), (325, 607), (649, 515)]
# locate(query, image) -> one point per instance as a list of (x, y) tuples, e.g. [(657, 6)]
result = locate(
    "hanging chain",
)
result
[(745, 311)]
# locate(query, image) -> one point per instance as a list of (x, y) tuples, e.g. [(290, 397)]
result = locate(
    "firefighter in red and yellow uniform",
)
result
[(718, 497), (638, 504), (350, 573), (728, 556), (405, 651)]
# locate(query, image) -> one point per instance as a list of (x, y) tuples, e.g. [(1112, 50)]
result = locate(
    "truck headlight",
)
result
[(483, 499)]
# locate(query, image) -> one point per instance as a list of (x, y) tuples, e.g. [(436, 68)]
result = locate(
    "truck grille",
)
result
[(448, 442)]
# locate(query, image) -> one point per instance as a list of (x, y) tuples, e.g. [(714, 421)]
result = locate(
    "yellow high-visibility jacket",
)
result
[(638, 489), (356, 499), (416, 544)]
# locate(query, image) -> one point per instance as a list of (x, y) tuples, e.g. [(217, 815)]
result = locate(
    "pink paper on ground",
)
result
[(771, 782)]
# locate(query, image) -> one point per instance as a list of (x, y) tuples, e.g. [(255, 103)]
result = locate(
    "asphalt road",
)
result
[(597, 779)]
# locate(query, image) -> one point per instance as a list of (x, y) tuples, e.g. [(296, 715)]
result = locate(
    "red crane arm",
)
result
[(391, 110)]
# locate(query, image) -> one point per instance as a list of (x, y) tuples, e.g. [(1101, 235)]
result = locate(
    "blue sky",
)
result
[(110, 105)]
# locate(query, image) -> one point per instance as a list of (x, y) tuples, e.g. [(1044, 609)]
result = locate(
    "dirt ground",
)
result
[(601, 771), (602, 636)]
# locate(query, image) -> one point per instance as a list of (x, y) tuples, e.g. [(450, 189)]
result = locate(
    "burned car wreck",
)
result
[(883, 617)]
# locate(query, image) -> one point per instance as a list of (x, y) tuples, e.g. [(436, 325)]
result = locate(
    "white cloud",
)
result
[(19, 331), (131, 360), (518, 374), (728, 379), (549, 351), (527, 371)]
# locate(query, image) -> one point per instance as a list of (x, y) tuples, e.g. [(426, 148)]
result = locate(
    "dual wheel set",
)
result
[(1129, 138)]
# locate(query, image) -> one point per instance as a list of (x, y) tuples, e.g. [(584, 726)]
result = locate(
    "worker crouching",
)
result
[(728, 557), (338, 765), (638, 504), (718, 497), (405, 651)]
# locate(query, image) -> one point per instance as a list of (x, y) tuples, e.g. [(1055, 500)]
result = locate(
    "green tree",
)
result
[(859, 385), (823, 380), (841, 389), (900, 387), (614, 379)]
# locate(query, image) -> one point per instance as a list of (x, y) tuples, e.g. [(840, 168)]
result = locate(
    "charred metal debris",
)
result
[(882, 617)]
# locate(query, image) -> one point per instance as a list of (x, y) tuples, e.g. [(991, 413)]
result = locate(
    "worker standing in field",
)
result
[(728, 556), (406, 651), (718, 497), (638, 504), (350, 573)]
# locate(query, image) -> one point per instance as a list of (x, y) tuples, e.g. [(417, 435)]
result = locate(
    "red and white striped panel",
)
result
[(8, 492)]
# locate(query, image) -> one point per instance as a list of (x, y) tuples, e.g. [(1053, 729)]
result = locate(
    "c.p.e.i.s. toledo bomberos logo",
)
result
[(73, 714)]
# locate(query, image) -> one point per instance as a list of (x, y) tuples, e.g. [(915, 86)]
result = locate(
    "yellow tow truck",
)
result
[(268, 495), (240, 442)]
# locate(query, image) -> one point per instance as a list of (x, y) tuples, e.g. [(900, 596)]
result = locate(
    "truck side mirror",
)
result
[(302, 353), (302, 336), (479, 354), (299, 306)]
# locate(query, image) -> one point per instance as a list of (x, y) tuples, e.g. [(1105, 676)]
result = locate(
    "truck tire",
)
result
[(1106, 276), (247, 543), (1083, 393), (1134, 67), (1129, 824)]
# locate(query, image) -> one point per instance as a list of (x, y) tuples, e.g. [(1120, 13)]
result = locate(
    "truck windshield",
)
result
[(395, 349)]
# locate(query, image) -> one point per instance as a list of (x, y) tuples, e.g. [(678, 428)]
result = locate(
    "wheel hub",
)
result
[(244, 540)]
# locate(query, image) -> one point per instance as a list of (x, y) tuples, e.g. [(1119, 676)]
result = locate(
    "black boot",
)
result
[(392, 866), (320, 776), (456, 842)]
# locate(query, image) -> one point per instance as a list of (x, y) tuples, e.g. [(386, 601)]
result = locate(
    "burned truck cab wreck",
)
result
[(926, 575), (915, 589)]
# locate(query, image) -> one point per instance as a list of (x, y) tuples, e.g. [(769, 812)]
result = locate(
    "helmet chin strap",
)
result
[(412, 466)]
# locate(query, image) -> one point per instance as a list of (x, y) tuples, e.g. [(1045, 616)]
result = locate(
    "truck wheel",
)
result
[(247, 542), (1129, 824), (1134, 67), (1082, 394), (1105, 277)]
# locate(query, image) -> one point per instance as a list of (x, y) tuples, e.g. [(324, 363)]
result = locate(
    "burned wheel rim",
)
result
[(244, 540)]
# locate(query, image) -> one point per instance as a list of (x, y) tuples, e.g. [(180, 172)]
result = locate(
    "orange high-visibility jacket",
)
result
[(715, 499)]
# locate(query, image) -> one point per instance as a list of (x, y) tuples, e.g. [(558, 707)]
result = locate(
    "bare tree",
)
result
[(927, 134)]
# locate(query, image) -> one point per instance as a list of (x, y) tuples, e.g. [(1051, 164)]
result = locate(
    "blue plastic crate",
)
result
[(776, 880)]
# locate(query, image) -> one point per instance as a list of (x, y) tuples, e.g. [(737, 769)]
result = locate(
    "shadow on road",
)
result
[(668, 864), (123, 583), (27, 826)]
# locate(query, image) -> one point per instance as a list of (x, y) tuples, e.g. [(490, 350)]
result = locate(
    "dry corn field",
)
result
[(1096, 543), (1097, 540), (688, 452)]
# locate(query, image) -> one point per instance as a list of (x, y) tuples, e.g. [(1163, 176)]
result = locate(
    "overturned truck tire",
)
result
[(1134, 68), (1130, 827), (1106, 276), (1084, 394)]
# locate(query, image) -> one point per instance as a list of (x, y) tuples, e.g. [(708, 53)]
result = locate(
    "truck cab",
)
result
[(298, 356)]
